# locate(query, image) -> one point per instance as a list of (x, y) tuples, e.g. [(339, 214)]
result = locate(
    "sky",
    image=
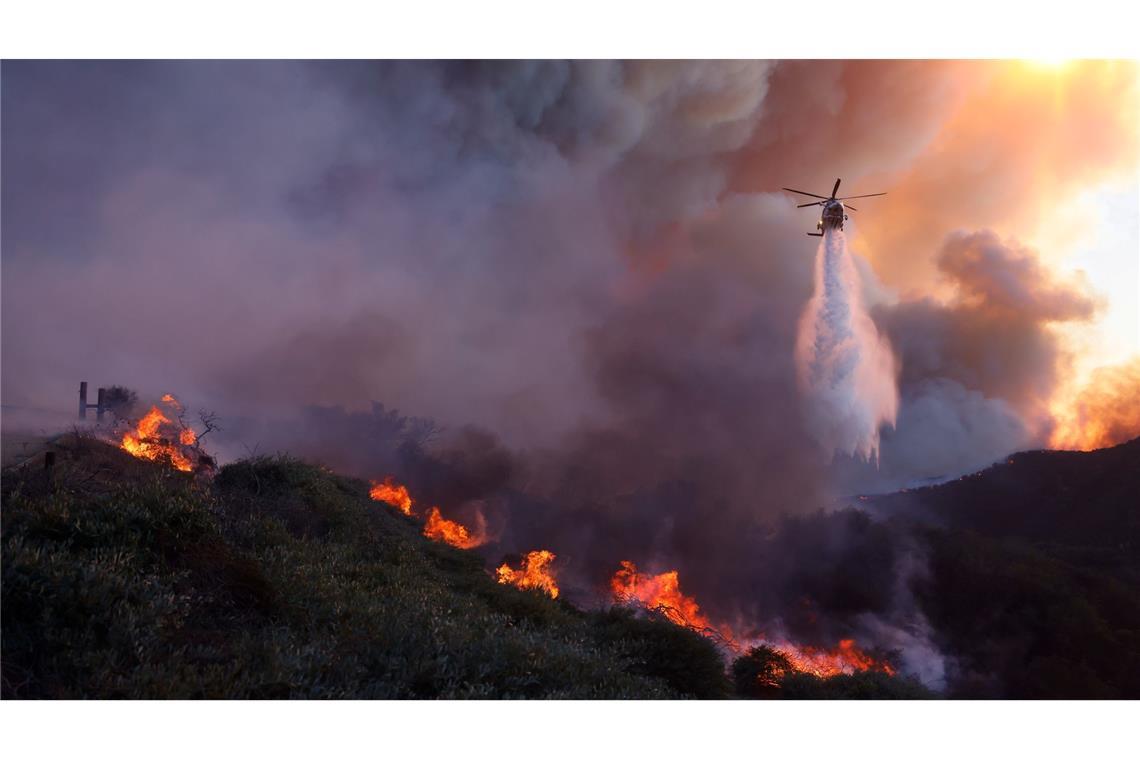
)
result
[(548, 250)]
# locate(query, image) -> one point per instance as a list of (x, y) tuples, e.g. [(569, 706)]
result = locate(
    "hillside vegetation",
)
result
[(1034, 575), (279, 579), (124, 578)]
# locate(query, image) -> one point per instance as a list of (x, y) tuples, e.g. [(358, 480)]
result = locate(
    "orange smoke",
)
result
[(846, 658), (157, 437), (1104, 413), (658, 592), (391, 492), (534, 573), (438, 528)]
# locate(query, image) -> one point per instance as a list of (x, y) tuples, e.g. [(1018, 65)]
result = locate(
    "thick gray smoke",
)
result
[(846, 369)]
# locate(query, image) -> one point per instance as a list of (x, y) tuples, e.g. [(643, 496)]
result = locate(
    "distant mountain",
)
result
[(1069, 498), (1032, 578)]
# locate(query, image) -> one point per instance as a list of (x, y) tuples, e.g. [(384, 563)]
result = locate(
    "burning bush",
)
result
[(158, 438), (758, 673), (391, 492), (661, 593), (534, 573), (163, 438), (439, 528), (845, 658)]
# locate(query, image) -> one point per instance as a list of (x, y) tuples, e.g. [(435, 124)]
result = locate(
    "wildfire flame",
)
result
[(391, 492), (658, 592), (155, 437), (846, 658), (534, 573), (438, 528), (663, 593)]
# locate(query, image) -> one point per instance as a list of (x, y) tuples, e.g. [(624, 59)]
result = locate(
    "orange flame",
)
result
[(148, 441), (534, 573), (438, 528), (1104, 413), (846, 658), (391, 492), (658, 592), (663, 593)]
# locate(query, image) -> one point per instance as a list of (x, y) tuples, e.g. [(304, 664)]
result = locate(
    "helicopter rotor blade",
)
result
[(801, 192), (872, 195), (835, 189), (849, 208), (805, 205)]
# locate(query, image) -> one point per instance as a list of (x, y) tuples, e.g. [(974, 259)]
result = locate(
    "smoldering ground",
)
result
[(588, 262)]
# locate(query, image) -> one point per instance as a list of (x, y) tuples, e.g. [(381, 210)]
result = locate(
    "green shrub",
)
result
[(865, 685), (689, 662)]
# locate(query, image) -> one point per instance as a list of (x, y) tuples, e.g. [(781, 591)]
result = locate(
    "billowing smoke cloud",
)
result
[(587, 262), (846, 369), (979, 369)]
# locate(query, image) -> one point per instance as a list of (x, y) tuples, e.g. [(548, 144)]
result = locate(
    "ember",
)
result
[(534, 573), (392, 493)]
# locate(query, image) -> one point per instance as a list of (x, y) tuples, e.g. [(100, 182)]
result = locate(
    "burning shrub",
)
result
[(391, 492), (439, 528), (534, 573), (157, 438), (844, 658), (758, 673), (766, 672), (163, 438), (662, 594)]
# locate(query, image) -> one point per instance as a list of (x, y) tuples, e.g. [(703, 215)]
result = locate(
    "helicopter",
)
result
[(834, 209)]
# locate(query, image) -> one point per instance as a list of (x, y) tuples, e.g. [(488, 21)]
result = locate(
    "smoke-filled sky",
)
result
[(593, 261)]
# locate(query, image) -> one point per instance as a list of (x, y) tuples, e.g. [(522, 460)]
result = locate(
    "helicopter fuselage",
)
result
[(833, 216)]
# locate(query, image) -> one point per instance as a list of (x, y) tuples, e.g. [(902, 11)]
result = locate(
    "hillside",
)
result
[(280, 579), (1033, 583), (1084, 506), (123, 578)]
